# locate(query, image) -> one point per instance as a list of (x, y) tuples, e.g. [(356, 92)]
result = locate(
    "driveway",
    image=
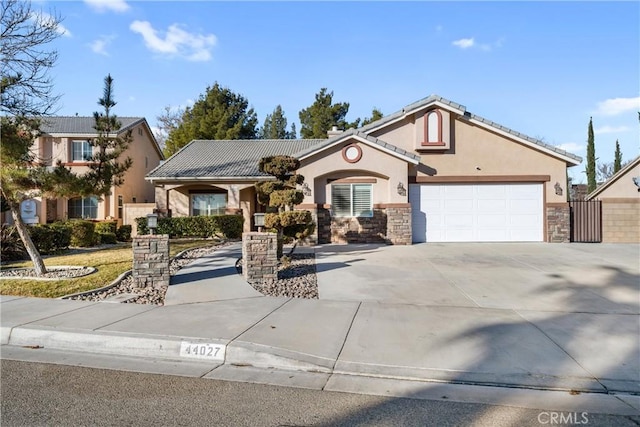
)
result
[(591, 278)]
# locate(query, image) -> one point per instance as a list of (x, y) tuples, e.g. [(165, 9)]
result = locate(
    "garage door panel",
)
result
[(491, 205), (476, 212), (458, 205), (492, 221)]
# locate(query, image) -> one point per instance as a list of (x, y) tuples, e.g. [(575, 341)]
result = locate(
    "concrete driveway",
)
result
[(539, 314), (592, 278)]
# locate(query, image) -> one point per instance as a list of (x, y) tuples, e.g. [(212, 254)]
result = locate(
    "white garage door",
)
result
[(476, 212)]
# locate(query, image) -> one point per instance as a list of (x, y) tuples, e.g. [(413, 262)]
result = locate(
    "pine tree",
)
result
[(275, 125), (318, 118), (617, 161), (218, 114), (590, 168)]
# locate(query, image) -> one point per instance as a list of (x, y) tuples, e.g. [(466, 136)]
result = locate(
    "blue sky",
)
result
[(541, 68)]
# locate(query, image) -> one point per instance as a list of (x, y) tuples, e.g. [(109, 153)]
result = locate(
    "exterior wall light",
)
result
[(258, 220), (401, 190), (152, 223)]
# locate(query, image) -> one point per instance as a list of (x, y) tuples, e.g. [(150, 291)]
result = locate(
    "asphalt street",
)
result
[(37, 394)]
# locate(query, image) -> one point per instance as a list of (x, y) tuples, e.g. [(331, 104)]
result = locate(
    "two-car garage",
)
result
[(477, 212)]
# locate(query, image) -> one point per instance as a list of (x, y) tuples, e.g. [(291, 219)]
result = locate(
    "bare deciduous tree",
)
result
[(167, 121), (25, 84)]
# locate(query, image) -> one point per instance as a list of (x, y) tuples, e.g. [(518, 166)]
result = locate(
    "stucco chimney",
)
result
[(334, 131)]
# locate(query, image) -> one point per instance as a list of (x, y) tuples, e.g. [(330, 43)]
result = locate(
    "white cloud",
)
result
[(615, 106), (464, 43), (571, 146), (471, 43), (176, 41), (100, 45), (610, 129), (108, 5), (132, 98), (43, 19)]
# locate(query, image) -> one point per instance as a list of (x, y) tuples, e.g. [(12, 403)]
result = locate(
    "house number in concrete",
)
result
[(202, 350)]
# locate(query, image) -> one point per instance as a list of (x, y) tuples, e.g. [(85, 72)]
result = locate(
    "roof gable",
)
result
[(461, 110), (615, 177), (364, 138)]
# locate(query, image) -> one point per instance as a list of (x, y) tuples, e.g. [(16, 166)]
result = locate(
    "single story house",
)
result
[(620, 197), (431, 172)]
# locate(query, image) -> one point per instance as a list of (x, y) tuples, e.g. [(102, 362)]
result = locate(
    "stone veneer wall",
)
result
[(259, 256), (621, 220), (558, 223), (151, 261), (388, 225), (399, 225), (360, 230)]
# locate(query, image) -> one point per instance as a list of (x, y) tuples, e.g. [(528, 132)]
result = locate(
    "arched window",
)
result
[(433, 128)]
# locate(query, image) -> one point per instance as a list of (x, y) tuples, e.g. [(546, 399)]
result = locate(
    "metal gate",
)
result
[(586, 221)]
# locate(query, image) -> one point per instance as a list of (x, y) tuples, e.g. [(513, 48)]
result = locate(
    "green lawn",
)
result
[(110, 263)]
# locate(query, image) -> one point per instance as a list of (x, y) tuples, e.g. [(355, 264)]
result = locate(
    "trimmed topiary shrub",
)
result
[(106, 227), (108, 238), (123, 233), (51, 238), (229, 226), (83, 233)]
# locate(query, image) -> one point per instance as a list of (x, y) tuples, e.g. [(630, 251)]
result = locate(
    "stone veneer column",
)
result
[(151, 261), (558, 223), (259, 256), (399, 225)]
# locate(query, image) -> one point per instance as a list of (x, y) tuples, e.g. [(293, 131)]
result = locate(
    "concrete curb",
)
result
[(241, 353)]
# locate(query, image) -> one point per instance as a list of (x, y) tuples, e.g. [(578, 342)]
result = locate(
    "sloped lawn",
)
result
[(109, 262)]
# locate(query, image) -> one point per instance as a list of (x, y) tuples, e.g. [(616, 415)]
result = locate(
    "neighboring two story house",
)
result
[(66, 139), (431, 172)]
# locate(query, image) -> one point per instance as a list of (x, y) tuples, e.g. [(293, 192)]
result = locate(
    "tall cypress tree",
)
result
[(617, 161), (590, 168)]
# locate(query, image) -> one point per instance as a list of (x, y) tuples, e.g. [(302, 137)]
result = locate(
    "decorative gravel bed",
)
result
[(53, 273), (297, 280)]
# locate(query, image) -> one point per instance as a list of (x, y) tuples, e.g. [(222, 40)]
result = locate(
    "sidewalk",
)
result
[(372, 347)]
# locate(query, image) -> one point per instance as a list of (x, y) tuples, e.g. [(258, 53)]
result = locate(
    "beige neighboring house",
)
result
[(620, 197), (66, 139), (431, 172)]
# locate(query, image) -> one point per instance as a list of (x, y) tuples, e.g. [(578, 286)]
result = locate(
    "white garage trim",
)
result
[(499, 212)]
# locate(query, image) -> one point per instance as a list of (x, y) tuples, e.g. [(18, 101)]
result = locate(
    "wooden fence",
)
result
[(586, 221)]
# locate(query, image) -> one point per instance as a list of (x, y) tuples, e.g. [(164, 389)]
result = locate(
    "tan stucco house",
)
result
[(431, 172), (66, 139), (620, 197)]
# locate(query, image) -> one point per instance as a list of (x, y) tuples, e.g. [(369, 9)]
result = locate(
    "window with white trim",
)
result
[(80, 151), (208, 204), (352, 200), (83, 207)]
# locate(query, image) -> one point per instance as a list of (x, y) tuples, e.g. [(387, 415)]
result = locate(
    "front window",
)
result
[(81, 151), (352, 200), (86, 207), (208, 204)]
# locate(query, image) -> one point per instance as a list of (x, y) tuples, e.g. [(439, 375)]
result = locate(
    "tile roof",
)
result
[(431, 99), (80, 124), (226, 158)]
